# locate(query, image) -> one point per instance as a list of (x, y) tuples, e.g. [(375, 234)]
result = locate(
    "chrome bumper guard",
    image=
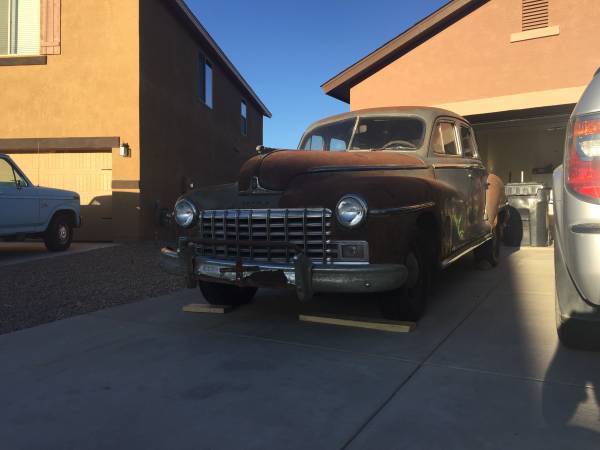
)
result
[(303, 275)]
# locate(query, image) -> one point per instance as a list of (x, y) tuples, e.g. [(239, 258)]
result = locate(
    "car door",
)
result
[(477, 225), (19, 202), (450, 168)]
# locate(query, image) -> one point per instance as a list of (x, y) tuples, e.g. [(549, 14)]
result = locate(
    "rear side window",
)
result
[(467, 142), (7, 176), (444, 139)]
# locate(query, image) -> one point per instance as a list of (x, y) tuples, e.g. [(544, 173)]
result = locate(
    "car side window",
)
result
[(444, 139), (467, 142), (314, 142), (7, 174)]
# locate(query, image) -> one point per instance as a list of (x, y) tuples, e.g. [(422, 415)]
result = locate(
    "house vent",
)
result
[(535, 14)]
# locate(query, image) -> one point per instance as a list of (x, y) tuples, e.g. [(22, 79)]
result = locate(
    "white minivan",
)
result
[(28, 211)]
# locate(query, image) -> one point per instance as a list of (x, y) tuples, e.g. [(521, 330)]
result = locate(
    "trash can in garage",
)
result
[(529, 223)]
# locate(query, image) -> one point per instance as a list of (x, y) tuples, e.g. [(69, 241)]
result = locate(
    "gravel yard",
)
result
[(43, 291)]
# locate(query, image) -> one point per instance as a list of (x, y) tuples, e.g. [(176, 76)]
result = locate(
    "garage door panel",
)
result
[(88, 174)]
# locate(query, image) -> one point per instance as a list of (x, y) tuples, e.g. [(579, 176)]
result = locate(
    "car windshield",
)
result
[(370, 133)]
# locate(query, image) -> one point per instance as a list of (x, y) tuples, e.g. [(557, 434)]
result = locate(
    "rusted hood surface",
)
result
[(276, 170)]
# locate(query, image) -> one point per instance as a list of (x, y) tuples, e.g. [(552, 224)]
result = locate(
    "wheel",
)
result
[(59, 234), (226, 294), (410, 301), (513, 235), (490, 251)]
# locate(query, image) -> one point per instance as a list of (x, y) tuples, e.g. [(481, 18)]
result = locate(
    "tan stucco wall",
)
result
[(90, 90), (472, 66), (181, 137)]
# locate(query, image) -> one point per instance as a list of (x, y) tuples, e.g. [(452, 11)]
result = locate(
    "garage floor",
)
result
[(482, 370)]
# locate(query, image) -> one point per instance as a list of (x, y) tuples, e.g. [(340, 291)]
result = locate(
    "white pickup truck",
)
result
[(28, 211)]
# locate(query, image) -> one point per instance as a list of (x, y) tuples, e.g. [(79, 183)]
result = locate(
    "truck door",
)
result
[(19, 202)]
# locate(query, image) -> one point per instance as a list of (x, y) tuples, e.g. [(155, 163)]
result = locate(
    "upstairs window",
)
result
[(205, 83), (244, 117), (535, 14), (20, 27)]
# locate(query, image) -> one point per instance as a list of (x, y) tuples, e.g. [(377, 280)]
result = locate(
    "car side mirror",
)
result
[(19, 184)]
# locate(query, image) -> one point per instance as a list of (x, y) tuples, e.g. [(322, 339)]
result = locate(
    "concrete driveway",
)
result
[(19, 252), (482, 370)]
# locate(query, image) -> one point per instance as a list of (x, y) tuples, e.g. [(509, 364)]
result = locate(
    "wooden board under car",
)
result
[(359, 322), (206, 308)]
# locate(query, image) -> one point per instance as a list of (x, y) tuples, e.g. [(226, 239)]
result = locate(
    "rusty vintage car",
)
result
[(372, 201)]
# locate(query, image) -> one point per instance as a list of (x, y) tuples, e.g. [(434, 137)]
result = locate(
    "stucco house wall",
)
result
[(181, 137), (472, 67)]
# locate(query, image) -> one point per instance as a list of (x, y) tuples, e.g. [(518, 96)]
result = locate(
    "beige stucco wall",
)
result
[(90, 90), (473, 67)]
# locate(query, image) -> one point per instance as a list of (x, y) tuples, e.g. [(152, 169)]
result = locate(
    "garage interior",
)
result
[(526, 142)]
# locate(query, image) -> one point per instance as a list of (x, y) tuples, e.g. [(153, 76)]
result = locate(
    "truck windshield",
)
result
[(370, 133)]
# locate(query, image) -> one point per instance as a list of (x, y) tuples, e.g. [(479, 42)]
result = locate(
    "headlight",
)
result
[(185, 213), (351, 211)]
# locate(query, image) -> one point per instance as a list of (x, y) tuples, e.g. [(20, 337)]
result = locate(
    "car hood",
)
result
[(45, 192), (276, 170)]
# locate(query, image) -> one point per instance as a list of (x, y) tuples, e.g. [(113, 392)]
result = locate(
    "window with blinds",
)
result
[(20, 27), (535, 14)]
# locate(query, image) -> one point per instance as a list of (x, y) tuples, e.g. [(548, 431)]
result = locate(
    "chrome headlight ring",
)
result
[(351, 210), (185, 213)]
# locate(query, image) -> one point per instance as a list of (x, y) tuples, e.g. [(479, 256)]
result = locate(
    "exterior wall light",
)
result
[(125, 150)]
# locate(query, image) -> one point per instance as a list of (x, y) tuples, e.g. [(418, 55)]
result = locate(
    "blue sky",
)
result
[(286, 50)]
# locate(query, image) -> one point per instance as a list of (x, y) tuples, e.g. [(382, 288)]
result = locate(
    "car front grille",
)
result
[(308, 231)]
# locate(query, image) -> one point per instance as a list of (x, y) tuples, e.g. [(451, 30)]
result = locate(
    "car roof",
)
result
[(429, 114)]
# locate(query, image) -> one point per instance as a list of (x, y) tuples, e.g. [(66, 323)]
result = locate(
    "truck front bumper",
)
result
[(303, 275)]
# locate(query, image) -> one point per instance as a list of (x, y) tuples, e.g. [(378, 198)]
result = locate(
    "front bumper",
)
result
[(306, 277)]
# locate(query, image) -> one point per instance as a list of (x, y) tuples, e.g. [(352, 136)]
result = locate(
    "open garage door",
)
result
[(87, 173), (527, 143)]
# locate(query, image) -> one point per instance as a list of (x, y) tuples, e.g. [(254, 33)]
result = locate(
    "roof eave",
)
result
[(193, 20), (339, 86)]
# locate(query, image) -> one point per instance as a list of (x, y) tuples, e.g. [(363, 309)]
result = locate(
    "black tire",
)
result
[(513, 233), (410, 301), (490, 251), (226, 294), (59, 234)]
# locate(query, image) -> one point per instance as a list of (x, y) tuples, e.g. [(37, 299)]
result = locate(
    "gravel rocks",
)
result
[(43, 291)]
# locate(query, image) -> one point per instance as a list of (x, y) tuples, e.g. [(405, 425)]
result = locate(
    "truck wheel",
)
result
[(226, 294), (410, 301), (59, 234), (490, 251)]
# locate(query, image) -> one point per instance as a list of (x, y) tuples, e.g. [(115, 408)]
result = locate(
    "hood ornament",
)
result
[(256, 188), (262, 150)]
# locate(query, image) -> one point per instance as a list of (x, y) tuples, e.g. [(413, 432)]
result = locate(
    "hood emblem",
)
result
[(256, 188)]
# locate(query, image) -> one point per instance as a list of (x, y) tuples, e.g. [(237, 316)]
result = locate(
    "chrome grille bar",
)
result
[(307, 230)]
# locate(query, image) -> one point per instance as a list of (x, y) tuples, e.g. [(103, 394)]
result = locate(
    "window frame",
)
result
[(14, 25), (244, 117), (204, 88), (459, 126), (454, 123)]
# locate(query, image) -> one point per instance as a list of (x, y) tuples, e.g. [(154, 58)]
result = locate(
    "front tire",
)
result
[(59, 234), (226, 294), (410, 301)]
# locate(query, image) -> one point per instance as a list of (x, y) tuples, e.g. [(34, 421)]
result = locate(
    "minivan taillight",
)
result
[(583, 159)]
